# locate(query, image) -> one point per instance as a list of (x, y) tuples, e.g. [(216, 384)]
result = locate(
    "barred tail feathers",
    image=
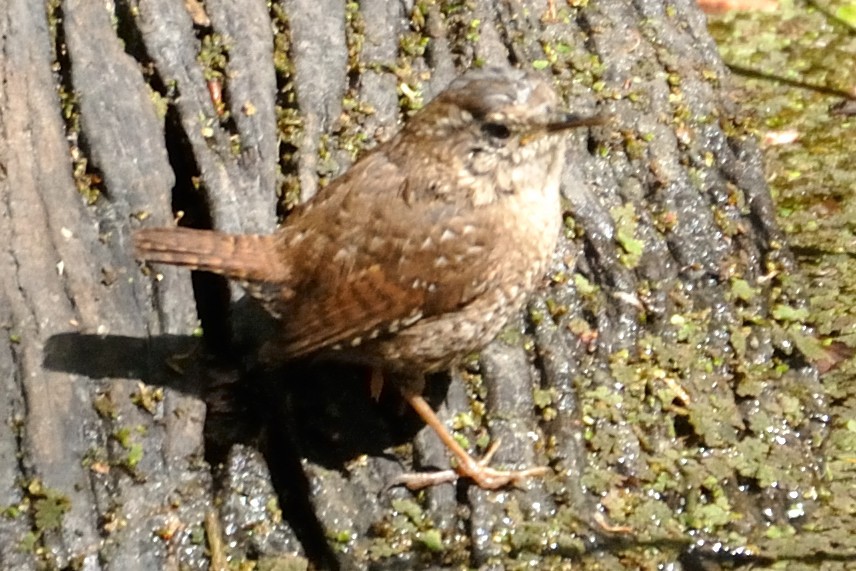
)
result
[(250, 258)]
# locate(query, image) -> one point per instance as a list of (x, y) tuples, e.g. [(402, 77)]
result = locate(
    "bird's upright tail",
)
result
[(245, 257)]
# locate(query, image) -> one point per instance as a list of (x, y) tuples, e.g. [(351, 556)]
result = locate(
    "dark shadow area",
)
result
[(155, 361), (696, 560), (810, 252), (757, 74), (327, 407), (318, 411), (322, 412), (334, 417)]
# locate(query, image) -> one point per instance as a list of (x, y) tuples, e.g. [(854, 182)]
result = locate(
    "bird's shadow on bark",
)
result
[(324, 410), (320, 412)]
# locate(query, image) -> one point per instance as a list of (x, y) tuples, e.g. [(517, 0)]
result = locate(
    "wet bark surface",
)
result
[(660, 372)]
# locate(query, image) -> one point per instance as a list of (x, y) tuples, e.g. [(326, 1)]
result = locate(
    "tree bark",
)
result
[(661, 371)]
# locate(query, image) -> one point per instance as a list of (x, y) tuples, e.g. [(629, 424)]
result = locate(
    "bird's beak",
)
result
[(570, 121), (562, 122)]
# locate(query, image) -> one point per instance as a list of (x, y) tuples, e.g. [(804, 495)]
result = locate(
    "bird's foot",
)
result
[(476, 470)]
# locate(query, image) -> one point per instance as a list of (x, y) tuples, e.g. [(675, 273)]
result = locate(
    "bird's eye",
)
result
[(496, 130)]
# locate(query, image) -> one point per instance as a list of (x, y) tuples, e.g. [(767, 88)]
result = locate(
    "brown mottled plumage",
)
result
[(423, 249)]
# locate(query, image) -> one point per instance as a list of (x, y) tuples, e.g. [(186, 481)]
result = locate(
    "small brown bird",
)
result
[(420, 253)]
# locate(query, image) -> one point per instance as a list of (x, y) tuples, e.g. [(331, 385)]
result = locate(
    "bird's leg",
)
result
[(376, 383), (467, 466)]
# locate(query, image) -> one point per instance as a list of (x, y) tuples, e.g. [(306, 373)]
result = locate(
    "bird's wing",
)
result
[(376, 261)]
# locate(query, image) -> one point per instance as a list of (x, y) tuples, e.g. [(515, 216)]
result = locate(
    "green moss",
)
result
[(147, 397), (741, 289), (104, 406), (125, 438), (354, 34), (626, 223), (288, 120), (29, 542), (635, 147), (47, 508), (213, 56), (161, 103)]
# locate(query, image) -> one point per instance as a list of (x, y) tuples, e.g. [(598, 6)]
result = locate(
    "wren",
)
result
[(420, 253)]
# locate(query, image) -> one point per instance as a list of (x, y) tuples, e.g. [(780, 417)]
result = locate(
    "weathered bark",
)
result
[(649, 372)]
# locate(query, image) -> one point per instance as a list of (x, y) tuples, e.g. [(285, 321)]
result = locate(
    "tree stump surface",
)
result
[(660, 372)]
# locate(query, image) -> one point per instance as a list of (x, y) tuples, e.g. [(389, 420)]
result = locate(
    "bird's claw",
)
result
[(476, 470)]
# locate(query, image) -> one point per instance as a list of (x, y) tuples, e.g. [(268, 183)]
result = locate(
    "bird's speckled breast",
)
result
[(528, 224)]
